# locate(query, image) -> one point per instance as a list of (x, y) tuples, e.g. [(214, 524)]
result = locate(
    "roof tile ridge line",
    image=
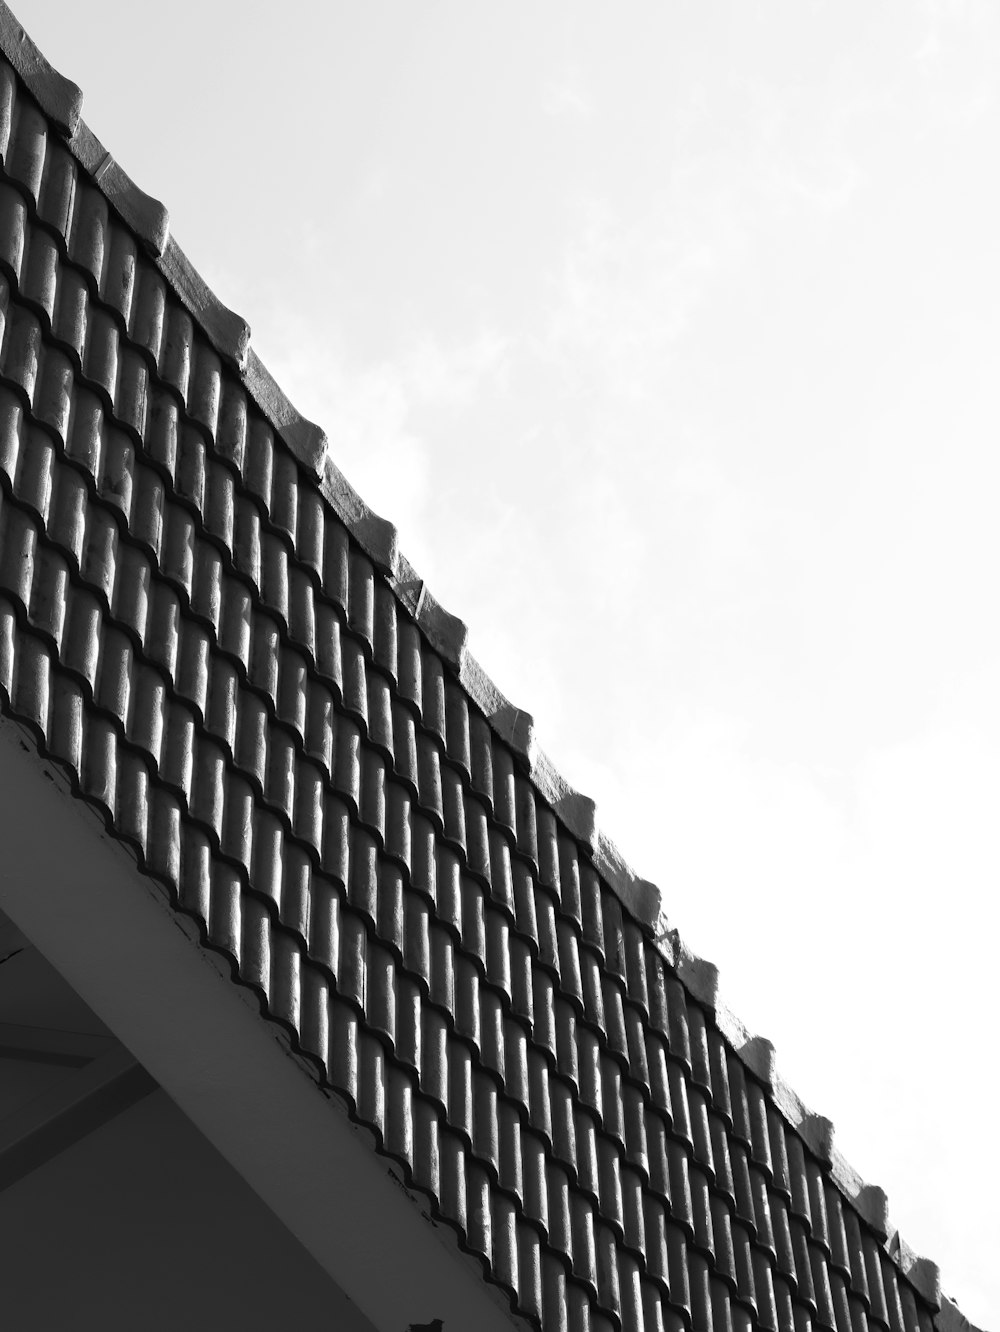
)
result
[(377, 536), (642, 897), (872, 1205), (757, 1053), (446, 633), (227, 331), (59, 97), (578, 814), (516, 728), (512, 724), (817, 1133), (575, 811)]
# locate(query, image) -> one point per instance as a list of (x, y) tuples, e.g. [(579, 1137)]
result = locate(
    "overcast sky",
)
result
[(668, 336)]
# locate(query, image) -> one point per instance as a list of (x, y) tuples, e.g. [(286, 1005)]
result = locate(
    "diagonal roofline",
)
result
[(229, 334)]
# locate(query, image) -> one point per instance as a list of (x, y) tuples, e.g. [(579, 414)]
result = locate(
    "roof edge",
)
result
[(305, 439), (512, 724), (376, 536), (700, 976), (446, 633), (147, 217), (642, 897), (60, 98), (923, 1274), (228, 332)]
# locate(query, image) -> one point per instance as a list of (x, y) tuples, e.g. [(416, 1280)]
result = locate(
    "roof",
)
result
[(204, 625)]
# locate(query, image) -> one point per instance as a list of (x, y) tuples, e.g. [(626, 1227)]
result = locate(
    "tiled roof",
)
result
[(220, 643)]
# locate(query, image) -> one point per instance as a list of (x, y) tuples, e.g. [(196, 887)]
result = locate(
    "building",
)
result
[(321, 996)]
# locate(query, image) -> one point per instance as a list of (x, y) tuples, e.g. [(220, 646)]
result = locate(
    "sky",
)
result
[(668, 335)]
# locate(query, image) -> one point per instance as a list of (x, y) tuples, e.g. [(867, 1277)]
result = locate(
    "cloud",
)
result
[(942, 20), (620, 298), (632, 280), (454, 375), (954, 58), (566, 97)]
